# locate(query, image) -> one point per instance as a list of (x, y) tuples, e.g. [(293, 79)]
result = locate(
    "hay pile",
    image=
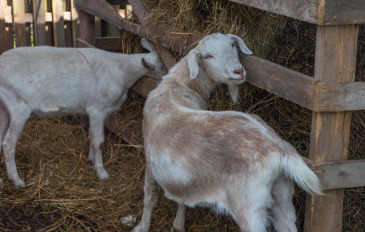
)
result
[(64, 194)]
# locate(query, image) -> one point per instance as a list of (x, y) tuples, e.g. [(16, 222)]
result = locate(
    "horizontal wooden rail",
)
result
[(320, 12), (291, 85), (336, 97), (29, 17), (341, 174)]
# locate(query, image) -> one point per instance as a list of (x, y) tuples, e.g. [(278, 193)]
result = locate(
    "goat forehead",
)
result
[(217, 42)]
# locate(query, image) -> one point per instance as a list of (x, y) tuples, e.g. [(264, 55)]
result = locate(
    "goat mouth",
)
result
[(241, 79)]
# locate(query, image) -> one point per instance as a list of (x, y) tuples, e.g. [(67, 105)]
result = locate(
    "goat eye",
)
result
[(208, 56)]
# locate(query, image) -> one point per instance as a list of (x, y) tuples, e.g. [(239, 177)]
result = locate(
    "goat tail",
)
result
[(296, 169)]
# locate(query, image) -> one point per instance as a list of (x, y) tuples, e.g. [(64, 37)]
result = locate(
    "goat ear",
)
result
[(233, 91), (240, 44), (148, 45), (148, 66), (193, 63)]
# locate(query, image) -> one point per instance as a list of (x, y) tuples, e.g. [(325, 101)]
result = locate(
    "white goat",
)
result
[(230, 161), (49, 81)]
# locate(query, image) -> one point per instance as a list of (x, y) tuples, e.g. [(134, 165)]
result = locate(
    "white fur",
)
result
[(48, 81), (230, 161)]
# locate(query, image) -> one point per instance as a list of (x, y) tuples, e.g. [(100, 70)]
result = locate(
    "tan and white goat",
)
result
[(230, 161), (48, 81)]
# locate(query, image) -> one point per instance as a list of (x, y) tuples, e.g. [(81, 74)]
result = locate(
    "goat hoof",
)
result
[(103, 174), (19, 184), (173, 229)]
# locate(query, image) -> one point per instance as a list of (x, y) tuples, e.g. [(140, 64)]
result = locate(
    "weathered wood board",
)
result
[(320, 12), (335, 62), (341, 174)]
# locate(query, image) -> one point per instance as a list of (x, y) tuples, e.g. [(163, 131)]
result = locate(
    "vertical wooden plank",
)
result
[(114, 30), (97, 27), (49, 25), (335, 61), (19, 23), (39, 22), (3, 5), (87, 27), (58, 23), (75, 23), (28, 34), (9, 26), (68, 26)]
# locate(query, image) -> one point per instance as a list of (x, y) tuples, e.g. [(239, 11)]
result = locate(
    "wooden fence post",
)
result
[(335, 61), (19, 23), (58, 23), (39, 22), (87, 27), (3, 5)]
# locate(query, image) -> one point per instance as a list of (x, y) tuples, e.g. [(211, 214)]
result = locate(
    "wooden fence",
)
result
[(331, 94), (48, 22)]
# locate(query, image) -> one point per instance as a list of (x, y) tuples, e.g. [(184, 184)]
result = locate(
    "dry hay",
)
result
[(64, 194)]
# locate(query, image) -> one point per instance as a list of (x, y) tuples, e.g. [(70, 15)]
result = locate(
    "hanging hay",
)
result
[(63, 192)]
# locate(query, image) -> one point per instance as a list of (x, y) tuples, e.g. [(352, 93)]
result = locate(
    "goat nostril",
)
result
[(238, 71)]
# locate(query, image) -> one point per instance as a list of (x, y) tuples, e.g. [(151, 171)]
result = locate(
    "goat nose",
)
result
[(238, 71)]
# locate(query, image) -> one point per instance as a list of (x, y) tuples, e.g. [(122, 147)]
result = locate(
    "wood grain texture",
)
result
[(340, 174), (339, 96), (87, 27), (291, 85), (320, 12), (19, 23), (3, 6), (335, 62), (58, 23), (39, 22), (75, 23), (340, 12), (305, 10)]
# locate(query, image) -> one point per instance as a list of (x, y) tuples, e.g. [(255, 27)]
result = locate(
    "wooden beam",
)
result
[(320, 12), (39, 22), (339, 96), (306, 10), (139, 9), (340, 12), (3, 6), (335, 62), (144, 86), (19, 23), (340, 174), (87, 27), (58, 23), (159, 32), (75, 23), (111, 44), (291, 85), (80, 43)]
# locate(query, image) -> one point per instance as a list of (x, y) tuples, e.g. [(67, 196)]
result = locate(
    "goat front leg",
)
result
[(151, 191), (179, 219), (96, 135)]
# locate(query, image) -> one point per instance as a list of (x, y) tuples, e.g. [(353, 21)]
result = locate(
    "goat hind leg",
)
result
[(282, 209), (179, 219), (96, 131), (151, 191)]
